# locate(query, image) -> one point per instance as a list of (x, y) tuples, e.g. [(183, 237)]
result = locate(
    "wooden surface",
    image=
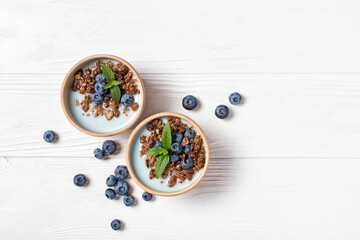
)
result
[(285, 166)]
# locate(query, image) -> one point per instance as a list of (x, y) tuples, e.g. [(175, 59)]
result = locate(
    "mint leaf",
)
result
[(115, 83), (109, 75), (109, 85), (157, 151), (161, 164), (166, 136), (115, 93)]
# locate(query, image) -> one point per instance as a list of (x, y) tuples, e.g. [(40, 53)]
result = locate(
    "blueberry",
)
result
[(49, 136), (122, 188), (129, 200), (98, 153), (109, 147), (176, 148), (190, 133), (116, 224), (187, 148), (235, 98), (80, 180), (97, 98), (99, 87), (100, 78), (174, 158), (177, 137), (189, 102), (127, 100), (158, 144), (110, 193), (222, 111), (147, 196), (111, 181), (187, 163), (121, 172)]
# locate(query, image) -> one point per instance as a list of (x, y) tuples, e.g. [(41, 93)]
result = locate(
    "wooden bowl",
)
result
[(134, 137), (68, 81)]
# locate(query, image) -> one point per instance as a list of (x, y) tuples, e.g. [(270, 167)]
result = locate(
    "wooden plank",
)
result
[(284, 115), (255, 198), (298, 36)]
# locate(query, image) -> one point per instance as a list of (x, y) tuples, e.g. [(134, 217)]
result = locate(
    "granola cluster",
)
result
[(173, 170), (84, 83)]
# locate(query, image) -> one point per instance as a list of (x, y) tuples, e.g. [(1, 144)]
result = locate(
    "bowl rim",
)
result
[(130, 143), (66, 84)]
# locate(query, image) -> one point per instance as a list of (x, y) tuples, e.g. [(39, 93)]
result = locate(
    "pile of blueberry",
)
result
[(178, 148), (189, 102), (100, 92)]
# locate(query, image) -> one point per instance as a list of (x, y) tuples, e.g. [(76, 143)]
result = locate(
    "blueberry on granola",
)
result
[(49, 136), (177, 137), (99, 87), (176, 148), (189, 102), (100, 78), (235, 98), (79, 180), (111, 181), (127, 100), (190, 133), (109, 147), (222, 111), (121, 172), (158, 144), (187, 163), (147, 196), (174, 158), (97, 98), (129, 200), (187, 148), (110, 193), (98, 153), (116, 224), (122, 187)]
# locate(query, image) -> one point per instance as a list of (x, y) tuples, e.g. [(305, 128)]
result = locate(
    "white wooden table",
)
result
[(285, 166)]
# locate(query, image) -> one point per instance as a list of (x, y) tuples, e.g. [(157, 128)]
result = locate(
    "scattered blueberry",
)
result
[(49, 136), (110, 194), (116, 224), (190, 133), (187, 163), (177, 137), (127, 100), (122, 188), (109, 147), (99, 87), (235, 98), (98, 153), (174, 158), (79, 180), (100, 78), (158, 144), (121, 172), (189, 102), (147, 196), (111, 181), (222, 111), (97, 98), (129, 200), (176, 148), (187, 148)]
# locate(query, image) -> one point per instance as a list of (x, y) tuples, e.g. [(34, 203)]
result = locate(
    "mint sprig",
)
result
[(162, 152), (112, 83)]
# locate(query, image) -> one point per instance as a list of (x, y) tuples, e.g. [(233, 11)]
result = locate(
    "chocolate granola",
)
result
[(173, 170), (84, 82)]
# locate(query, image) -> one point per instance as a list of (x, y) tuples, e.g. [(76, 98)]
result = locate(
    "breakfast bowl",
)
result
[(102, 95), (163, 165)]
